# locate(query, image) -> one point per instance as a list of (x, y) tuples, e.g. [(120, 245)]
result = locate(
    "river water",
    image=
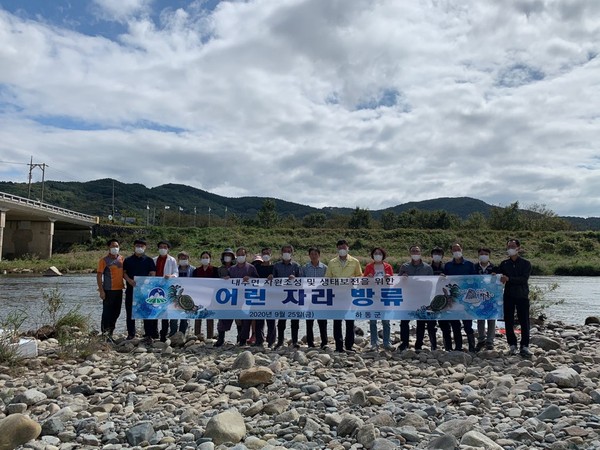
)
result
[(26, 293)]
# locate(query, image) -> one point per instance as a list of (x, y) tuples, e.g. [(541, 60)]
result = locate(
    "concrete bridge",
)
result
[(30, 227)]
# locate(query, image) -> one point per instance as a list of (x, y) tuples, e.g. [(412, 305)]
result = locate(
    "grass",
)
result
[(551, 253)]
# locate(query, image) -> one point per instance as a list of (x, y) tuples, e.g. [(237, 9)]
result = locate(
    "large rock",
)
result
[(550, 413), (17, 429), (382, 420), (245, 360), (456, 427), (456, 358), (366, 435), (544, 342), (564, 377), (30, 397), (255, 376), (276, 406), (228, 426), (443, 442), (178, 339), (349, 425), (142, 432), (479, 440)]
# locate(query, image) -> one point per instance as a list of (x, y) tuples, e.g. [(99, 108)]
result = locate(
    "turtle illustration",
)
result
[(440, 301), (184, 301)]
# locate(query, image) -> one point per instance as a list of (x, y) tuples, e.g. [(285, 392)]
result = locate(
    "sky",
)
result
[(368, 103)]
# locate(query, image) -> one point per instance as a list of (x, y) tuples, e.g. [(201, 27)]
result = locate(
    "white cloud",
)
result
[(479, 99), (120, 10)]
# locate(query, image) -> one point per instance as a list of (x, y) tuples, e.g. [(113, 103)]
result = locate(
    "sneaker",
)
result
[(512, 350), (479, 346), (489, 346), (130, 338), (374, 348), (147, 340), (279, 344), (403, 346), (525, 352), (389, 348)]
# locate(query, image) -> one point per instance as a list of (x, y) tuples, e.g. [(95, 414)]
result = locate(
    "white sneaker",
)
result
[(513, 350), (374, 348)]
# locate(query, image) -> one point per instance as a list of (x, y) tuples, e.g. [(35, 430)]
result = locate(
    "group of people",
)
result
[(116, 273)]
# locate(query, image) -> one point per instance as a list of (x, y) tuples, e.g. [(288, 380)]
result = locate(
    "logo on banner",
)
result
[(156, 297)]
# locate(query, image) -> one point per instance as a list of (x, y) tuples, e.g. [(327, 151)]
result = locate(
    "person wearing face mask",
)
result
[(205, 270), (485, 338), (185, 270), (224, 325), (265, 269), (379, 268), (109, 278), (286, 268), (166, 266), (415, 267), (315, 269), (515, 272), (446, 326), (245, 270), (460, 266), (343, 266), (136, 265)]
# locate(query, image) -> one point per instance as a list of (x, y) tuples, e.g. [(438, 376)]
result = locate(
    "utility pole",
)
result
[(31, 167), (194, 216), (113, 200), (147, 214)]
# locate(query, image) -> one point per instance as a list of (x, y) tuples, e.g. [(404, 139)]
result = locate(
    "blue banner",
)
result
[(392, 298)]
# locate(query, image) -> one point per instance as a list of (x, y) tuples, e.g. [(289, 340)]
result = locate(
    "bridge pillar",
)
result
[(2, 225), (24, 237)]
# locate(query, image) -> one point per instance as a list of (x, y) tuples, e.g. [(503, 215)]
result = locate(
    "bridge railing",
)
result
[(47, 207)]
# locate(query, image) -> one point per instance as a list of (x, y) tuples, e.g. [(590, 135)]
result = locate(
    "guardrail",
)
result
[(47, 207)]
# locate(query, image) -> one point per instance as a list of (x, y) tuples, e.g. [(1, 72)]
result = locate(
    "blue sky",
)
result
[(363, 103)]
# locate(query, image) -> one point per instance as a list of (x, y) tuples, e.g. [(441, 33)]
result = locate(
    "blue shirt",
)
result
[(311, 271), (464, 267)]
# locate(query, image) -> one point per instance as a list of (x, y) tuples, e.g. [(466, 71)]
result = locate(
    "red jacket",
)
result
[(370, 269)]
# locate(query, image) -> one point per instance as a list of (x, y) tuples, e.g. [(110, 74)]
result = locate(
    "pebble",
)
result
[(192, 396)]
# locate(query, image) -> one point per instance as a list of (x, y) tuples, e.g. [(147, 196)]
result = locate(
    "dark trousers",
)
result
[(449, 328), (431, 331), (271, 332), (111, 310), (151, 328), (337, 335), (404, 332), (310, 336), (244, 331), (521, 305), (174, 328), (129, 311), (281, 330), (468, 327)]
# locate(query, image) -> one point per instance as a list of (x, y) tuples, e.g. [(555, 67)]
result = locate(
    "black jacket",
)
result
[(518, 272)]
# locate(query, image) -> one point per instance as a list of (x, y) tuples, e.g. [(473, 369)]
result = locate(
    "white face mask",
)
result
[(457, 255), (286, 256), (342, 252), (512, 251), (114, 250), (227, 259), (377, 257), (140, 250), (415, 257), (437, 258), (266, 258), (241, 259), (184, 262), (484, 258), (205, 261), (162, 251)]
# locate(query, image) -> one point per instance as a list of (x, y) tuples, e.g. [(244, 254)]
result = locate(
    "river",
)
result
[(26, 293)]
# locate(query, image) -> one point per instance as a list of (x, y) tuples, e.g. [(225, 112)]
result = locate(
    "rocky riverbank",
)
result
[(199, 397)]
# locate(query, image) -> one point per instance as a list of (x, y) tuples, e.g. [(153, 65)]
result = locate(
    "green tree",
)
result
[(389, 221), (314, 220), (507, 218), (538, 217), (267, 215), (360, 218), (475, 221)]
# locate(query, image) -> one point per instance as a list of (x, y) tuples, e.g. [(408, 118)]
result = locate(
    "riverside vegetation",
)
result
[(574, 253)]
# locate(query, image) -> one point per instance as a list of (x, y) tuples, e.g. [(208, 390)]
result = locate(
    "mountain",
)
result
[(132, 199)]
